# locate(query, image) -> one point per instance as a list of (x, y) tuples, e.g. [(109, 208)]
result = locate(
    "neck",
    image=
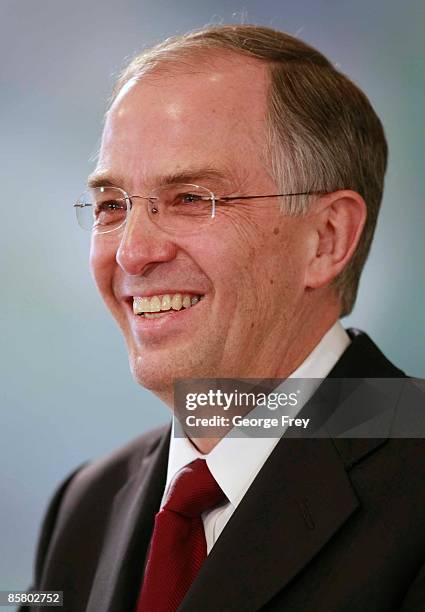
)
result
[(204, 445), (315, 334)]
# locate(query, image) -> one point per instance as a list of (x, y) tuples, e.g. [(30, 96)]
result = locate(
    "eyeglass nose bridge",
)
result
[(150, 202), (155, 210)]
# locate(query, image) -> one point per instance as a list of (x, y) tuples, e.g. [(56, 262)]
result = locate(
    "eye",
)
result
[(110, 211), (188, 198), (111, 205), (184, 200)]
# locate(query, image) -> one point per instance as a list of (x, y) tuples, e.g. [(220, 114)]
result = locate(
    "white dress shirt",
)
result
[(235, 461)]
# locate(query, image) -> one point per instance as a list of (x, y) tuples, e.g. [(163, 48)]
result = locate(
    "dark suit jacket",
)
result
[(332, 525)]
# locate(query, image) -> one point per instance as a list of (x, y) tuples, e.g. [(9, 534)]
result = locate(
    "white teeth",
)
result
[(152, 315), (166, 302), (136, 305), (145, 305), (141, 305), (177, 302), (157, 303)]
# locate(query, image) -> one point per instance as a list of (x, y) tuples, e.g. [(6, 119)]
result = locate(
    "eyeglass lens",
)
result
[(179, 207)]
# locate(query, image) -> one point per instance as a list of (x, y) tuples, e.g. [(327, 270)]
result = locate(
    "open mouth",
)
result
[(156, 306)]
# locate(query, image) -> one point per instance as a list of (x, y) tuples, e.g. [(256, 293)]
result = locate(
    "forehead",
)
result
[(209, 113)]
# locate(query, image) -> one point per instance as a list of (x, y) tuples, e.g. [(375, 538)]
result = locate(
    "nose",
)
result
[(143, 243)]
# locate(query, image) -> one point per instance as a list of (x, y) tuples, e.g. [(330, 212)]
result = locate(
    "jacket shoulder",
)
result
[(104, 476), (89, 490)]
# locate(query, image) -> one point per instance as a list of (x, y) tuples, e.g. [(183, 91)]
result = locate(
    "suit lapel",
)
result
[(119, 574), (301, 497)]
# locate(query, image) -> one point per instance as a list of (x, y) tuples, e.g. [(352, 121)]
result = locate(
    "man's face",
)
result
[(247, 263)]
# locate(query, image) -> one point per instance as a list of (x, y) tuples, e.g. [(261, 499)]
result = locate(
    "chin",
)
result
[(158, 370), (146, 376), (154, 375)]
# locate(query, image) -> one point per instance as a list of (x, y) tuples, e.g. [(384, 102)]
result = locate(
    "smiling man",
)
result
[(175, 127), (232, 210)]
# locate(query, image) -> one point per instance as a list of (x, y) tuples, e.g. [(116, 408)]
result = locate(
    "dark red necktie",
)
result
[(178, 546)]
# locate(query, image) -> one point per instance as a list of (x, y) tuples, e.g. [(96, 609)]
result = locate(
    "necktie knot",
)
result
[(193, 490)]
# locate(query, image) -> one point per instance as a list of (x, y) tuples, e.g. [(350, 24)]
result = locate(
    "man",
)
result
[(232, 210)]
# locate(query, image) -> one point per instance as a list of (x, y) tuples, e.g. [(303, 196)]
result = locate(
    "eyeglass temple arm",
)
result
[(274, 195)]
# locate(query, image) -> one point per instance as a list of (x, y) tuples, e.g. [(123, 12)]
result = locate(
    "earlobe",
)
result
[(338, 226)]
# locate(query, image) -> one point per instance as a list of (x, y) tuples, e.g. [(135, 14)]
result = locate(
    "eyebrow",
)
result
[(104, 179)]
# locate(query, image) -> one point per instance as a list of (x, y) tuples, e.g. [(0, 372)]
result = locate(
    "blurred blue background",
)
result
[(67, 394)]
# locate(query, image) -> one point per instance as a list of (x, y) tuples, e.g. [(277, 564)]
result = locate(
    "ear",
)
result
[(336, 222)]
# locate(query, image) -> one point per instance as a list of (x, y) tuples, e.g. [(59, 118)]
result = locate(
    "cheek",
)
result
[(237, 272), (279, 265), (103, 265)]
